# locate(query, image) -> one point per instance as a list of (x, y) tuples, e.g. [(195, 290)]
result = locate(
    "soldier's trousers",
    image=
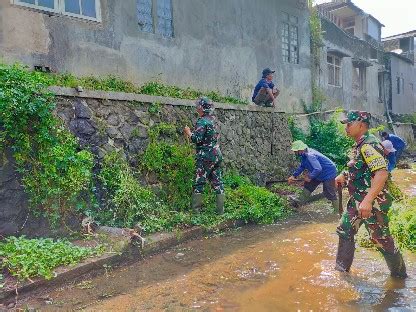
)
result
[(377, 226), (208, 168)]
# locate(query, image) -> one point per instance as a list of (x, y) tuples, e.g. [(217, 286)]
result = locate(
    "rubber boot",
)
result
[(396, 264), (220, 199), (196, 202), (345, 255)]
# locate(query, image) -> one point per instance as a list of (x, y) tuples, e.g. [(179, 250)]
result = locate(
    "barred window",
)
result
[(290, 39), (334, 70), (155, 16)]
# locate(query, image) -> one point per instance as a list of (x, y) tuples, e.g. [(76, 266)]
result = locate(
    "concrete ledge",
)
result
[(142, 98), (131, 253)]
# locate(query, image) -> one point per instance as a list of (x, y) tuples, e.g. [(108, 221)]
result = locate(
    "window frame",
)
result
[(155, 19), (60, 9), (334, 70), (289, 23), (37, 7)]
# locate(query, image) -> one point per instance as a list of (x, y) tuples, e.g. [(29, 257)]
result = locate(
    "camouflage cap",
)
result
[(205, 103), (357, 116)]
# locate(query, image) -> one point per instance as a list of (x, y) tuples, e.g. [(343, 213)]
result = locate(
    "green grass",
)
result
[(114, 83)]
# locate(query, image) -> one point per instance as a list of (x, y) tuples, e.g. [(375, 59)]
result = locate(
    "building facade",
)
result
[(209, 45), (400, 64), (352, 65)]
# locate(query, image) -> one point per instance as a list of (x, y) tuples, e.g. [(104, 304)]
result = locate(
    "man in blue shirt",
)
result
[(320, 170), (390, 153), (265, 93), (398, 143)]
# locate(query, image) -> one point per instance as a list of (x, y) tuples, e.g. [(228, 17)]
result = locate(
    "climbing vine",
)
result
[(55, 173), (316, 44)]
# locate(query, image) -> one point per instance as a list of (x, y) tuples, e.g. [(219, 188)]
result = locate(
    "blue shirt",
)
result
[(398, 143), (320, 167), (263, 83), (391, 157)]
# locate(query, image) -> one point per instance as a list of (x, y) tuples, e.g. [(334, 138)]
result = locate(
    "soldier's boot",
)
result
[(345, 255), (196, 202), (335, 205), (396, 264), (220, 199)]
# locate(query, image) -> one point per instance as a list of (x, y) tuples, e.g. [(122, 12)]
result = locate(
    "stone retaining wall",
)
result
[(255, 141)]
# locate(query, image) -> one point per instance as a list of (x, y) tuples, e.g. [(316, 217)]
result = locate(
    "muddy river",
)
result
[(283, 267)]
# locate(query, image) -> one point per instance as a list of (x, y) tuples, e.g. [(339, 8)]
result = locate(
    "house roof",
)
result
[(403, 58), (334, 6), (400, 36)]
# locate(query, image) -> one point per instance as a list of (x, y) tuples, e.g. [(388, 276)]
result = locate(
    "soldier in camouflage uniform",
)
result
[(369, 200), (208, 155)]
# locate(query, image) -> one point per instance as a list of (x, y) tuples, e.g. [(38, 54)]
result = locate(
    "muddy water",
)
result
[(284, 267), (406, 178)]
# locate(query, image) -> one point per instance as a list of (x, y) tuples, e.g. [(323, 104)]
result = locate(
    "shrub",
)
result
[(172, 162), (55, 173), (403, 223), (127, 202)]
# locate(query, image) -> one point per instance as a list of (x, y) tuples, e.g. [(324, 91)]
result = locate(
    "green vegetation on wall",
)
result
[(113, 83), (328, 137), (55, 173)]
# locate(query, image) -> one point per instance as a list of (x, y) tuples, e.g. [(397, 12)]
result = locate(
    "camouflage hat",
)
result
[(357, 116), (205, 103), (298, 146)]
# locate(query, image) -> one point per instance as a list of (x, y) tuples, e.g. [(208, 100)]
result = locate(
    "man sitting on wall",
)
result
[(320, 170), (265, 92), (398, 143)]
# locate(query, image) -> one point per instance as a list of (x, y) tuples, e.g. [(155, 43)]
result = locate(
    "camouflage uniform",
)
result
[(367, 158), (208, 153)]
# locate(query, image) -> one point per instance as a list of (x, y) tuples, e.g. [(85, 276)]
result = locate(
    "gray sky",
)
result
[(398, 16)]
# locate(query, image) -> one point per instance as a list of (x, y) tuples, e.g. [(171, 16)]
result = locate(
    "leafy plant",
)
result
[(172, 162), (403, 223), (27, 258), (328, 137), (55, 173), (127, 201)]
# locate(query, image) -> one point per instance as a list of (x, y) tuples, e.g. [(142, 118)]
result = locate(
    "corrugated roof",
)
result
[(399, 36), (332, 6)]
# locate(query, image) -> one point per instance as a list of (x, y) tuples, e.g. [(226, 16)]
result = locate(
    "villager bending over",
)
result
[(320, 170), (390, 153), (208, 155), (398, 143)]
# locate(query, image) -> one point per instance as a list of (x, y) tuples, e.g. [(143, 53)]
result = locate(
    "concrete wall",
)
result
[(348, 95), (403, 103), (217, 45), (255, 141), (405, 131)]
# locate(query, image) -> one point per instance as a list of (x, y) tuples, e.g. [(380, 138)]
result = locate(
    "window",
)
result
[(87, 9), (290, 39), (400, 85), (362, 77), (334, 70), (155, 16), (47, 5), (349, 25)]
